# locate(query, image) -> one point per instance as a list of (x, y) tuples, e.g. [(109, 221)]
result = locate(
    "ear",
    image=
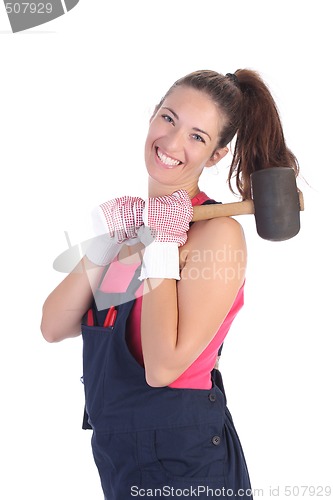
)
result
[(217, 156)]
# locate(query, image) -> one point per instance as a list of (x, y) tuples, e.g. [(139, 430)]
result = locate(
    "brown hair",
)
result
[(250, 112)]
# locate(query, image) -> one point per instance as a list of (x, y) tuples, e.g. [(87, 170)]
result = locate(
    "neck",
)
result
[(157, 189)]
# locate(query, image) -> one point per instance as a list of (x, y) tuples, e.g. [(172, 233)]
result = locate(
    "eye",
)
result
[(167, 118), (198, 138)]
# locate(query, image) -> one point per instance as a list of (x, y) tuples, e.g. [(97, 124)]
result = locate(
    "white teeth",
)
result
[(166, 160)]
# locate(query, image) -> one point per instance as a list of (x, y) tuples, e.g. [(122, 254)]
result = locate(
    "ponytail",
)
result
[(260, 140)]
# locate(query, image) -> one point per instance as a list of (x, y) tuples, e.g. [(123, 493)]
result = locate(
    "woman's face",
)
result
[(182, 140)]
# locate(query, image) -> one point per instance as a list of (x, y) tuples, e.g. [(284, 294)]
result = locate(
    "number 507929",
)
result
[(28, 8)]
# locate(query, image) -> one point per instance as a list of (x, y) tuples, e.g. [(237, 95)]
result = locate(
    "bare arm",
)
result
[(65, 306), (179, 319)]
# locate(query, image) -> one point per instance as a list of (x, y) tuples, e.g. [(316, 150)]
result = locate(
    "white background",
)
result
[(76, 96)]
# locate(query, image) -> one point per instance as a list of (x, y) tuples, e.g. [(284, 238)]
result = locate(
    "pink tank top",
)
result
[(197, 375)]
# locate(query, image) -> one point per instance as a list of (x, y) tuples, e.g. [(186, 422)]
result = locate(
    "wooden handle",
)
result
[(204, 212)]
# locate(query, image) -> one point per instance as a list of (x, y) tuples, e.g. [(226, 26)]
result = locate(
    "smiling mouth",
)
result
[(167, 160)]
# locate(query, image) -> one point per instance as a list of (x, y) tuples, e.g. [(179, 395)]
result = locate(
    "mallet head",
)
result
[(276, 203)]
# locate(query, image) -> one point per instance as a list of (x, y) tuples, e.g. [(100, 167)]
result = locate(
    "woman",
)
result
[(156, 310)]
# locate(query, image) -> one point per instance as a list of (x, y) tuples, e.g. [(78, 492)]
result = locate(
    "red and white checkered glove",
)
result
[(167, 219), (114, 222)]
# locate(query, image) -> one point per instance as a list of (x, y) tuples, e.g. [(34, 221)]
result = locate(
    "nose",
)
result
[(175, 140)]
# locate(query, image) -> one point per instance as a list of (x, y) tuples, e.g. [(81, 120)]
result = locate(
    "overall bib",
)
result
[(154, 442)]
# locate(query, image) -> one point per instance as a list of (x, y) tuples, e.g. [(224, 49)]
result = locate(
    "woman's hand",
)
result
[(168, 217), (166, 222), (120, 217), (115, 222)]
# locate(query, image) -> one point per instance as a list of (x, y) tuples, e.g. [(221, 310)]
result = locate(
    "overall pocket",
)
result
[(192, 454)]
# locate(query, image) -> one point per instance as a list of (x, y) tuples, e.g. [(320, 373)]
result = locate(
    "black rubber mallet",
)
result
[(276, 204)]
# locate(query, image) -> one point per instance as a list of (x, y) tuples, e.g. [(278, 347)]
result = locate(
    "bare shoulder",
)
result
[(221, 230), (222, 238)]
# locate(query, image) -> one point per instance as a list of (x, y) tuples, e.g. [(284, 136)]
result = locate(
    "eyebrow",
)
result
[(194, 128), (202, 131)]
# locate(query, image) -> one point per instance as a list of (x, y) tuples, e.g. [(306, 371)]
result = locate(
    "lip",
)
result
[(160, 162)]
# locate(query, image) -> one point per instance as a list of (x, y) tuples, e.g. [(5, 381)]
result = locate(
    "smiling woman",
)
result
[(155, 296)]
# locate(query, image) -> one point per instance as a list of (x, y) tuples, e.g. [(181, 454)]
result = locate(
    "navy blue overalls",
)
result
[(154, 442)]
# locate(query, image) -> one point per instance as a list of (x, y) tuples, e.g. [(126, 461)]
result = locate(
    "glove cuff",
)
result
[(160, 260), (102, 250)]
